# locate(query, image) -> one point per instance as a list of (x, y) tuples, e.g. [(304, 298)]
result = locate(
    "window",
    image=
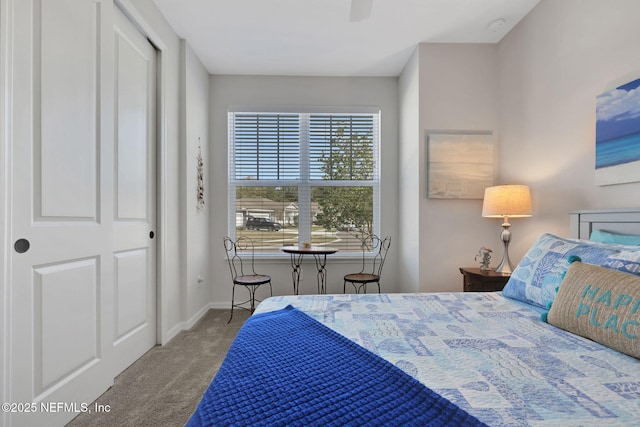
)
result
[(296, 177)]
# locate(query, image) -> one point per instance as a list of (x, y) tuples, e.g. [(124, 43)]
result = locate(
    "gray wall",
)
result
[(195, 224), (457, 91), (537, 90), (552, 67), (258, 91)]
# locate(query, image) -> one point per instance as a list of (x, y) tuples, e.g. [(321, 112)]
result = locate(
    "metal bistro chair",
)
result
[(370, 273), (243, 271)]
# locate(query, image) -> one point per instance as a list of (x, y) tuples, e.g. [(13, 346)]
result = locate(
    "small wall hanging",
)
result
[(200, 167)]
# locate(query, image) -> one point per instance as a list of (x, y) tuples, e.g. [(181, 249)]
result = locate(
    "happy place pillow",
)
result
[(536, 278), (600, 304)]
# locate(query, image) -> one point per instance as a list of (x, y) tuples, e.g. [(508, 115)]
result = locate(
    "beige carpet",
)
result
[(163, 387)]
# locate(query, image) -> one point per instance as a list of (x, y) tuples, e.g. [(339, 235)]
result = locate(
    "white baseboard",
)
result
[(188, 324), (197, 316), (171, 333), (220, 305)]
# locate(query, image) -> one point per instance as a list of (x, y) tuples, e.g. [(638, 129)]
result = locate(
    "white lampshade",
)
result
[(513, 201)]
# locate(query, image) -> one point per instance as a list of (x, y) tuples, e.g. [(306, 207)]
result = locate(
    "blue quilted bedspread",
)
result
[(286, 369), (489, 355)]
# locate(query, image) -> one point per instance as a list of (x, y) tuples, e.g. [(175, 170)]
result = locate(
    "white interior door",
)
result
[(60, 294), (82, 292), (135, 189)]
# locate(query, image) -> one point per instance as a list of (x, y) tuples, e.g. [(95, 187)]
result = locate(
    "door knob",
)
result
[(21, 245)]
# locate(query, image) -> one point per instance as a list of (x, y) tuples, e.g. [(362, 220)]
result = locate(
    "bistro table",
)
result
[(319, 254)]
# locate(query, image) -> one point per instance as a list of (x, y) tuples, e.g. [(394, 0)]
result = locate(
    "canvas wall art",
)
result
[(618, 135), (459, 165)]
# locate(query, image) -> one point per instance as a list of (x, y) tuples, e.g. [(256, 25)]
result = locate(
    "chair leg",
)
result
[(252, 293), (233, 294), (254, 288), (355, 287)]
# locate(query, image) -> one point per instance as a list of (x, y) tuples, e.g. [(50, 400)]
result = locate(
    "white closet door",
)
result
[(135, 189), (83, 285), (61, 289)]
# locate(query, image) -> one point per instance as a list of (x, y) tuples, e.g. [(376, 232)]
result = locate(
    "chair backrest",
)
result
[(379, 247), (239, 266)]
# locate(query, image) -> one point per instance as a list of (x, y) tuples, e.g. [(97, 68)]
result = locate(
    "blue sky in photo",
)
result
[(618, 112)]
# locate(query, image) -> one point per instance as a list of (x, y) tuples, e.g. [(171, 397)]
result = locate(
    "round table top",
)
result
[(312, 250)]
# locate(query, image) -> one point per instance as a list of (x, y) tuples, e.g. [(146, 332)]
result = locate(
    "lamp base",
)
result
[(505, 267)]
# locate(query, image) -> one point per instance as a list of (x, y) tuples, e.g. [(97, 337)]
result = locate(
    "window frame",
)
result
[(304, 183)]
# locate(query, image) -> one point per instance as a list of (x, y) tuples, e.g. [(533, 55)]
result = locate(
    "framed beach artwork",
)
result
[(618, 135), (459, 164)]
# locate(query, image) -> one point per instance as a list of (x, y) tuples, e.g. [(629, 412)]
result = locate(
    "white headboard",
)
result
[(621, 221)]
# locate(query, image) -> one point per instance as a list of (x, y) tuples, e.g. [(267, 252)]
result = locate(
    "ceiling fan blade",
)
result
[(360, 10)]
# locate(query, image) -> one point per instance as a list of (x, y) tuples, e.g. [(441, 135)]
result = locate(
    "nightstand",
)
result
[(476, 280)]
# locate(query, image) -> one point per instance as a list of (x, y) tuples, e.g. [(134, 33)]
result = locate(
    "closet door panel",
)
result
[(61, 283), (66, 109)]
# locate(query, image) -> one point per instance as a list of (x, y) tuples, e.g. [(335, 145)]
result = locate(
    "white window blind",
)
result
[(346, 143), (283, 166), (266, 146)]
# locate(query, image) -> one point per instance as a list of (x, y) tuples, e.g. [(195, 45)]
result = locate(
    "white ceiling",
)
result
[(316, 38)]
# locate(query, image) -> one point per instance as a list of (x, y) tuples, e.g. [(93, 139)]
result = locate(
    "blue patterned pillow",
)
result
[(536, 278)]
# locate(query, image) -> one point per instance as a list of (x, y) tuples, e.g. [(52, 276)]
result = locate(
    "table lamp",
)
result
[(506, 201)]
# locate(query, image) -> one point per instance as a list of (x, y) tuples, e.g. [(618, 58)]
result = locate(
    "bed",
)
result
[(538, 354)]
